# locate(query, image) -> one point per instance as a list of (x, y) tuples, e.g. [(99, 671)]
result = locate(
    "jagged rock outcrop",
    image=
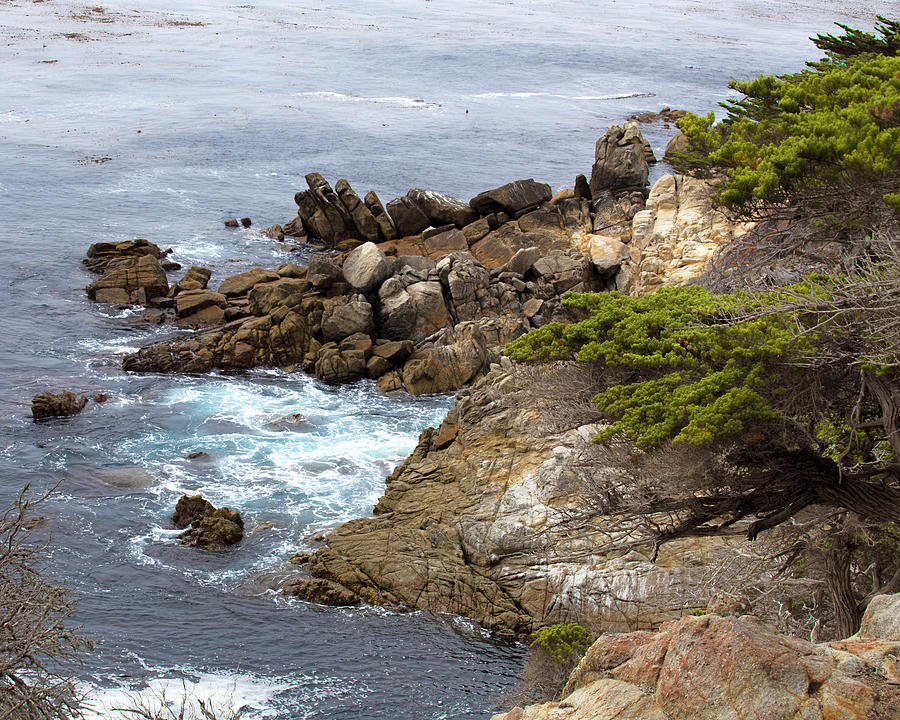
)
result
[(465, 523), (315, 317), (208, 527), (620, 163), (322, 213), (675, 237), (49, 405), (729, 668)]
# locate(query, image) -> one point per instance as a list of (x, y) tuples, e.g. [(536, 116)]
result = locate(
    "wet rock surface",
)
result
[(208, 527), (49, 405)]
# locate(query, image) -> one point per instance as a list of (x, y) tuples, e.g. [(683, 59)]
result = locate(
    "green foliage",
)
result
[(696, 612), (565, 643), (699, 380), (800, 134), (853, 43)]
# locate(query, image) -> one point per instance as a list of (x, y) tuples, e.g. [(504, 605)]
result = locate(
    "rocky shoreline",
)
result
[(423, 295)]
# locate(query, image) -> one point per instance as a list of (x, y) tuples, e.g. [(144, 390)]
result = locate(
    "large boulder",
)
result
[(48, 405), (512, 197), (413, 312), (606, 253), (881, 619), (323, 272), (103, 256), (287, 291), (140, 281), (619, 161), (344, 362), (407, 217), (366, 267), (343, 316), (452, 359), (200, 308), (442, 209), (240, 284)]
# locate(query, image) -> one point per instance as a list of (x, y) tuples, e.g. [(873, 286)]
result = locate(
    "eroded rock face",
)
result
[(724, 668), (461, 526), (674, 239), (48, 405), (139, 279)]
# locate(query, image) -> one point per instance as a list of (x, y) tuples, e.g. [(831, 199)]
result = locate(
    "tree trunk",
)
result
[(837, 579)]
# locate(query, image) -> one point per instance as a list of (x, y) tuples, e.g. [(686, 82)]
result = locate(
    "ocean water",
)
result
[(160, 120)]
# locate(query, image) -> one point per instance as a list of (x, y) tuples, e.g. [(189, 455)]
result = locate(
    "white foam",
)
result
[(395, 100), (526, 95), (224, 693)]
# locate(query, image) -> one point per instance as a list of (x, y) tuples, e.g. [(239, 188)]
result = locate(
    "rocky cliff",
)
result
[(469, 523)]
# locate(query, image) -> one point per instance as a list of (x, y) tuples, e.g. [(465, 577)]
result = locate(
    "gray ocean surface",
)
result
[(160, 119)]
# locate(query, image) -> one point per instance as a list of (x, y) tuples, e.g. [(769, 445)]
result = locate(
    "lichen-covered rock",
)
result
[(48, 405), (881, 619), (719, 668)]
